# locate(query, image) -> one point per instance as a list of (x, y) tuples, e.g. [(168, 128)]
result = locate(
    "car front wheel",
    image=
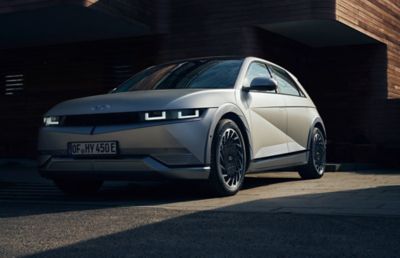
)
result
[(81, 187), (315, 167), (228, 161)]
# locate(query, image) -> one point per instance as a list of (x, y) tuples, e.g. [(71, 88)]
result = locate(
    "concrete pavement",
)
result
[(275, 215), (355, 193)]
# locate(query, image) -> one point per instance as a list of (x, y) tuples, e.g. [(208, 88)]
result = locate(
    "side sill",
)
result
[(278, 162)]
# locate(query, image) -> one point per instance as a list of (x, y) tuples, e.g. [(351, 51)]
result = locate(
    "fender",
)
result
[(222, 111)]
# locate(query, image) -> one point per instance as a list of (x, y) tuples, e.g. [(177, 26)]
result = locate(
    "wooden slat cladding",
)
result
[(379, 19), (19, 5), (9, 6), (199, 27), (135, 10)]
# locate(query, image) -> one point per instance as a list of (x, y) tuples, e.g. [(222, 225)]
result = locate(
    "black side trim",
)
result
[(122, 157), (280, 155)]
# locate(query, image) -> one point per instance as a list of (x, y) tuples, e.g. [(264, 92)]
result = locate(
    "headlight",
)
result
[(172, 114), (190, 113), (51, 120), (155, 115)]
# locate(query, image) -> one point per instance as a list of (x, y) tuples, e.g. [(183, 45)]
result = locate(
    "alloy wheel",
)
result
[(319, 152), (231, 158)]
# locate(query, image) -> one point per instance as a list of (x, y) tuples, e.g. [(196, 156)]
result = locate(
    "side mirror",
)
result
[(262, 84)]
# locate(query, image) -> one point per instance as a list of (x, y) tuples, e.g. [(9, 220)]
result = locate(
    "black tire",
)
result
[(78, 188), (315, 167), (228, 159)]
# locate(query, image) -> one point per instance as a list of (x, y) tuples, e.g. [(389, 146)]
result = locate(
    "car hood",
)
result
[(144, 101)]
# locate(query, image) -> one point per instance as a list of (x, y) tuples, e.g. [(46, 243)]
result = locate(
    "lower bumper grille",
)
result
[(101, 119)]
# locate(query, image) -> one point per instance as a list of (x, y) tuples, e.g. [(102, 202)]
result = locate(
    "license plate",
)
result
[(93, 148)]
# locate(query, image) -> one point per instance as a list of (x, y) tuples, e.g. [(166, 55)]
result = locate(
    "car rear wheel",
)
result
[(228, 159), (315, 167), (81, 187)]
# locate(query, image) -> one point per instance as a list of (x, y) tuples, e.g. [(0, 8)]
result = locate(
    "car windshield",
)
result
[(201, 73)]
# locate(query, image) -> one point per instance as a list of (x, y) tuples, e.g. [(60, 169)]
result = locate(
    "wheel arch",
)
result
[(320, 125), (317, 123), (230, 111)]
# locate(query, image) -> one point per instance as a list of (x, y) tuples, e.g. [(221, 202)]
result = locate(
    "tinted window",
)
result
[(286, 84), (255, 70), (218, 74)]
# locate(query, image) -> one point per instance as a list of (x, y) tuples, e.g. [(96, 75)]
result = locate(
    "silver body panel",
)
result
[(277, 128)]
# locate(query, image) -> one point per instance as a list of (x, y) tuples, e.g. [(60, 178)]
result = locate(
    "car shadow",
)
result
[(296, 230), (22, 199), (151, 193), (254, 181)]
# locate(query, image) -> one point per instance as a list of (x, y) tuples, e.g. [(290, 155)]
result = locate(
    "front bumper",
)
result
[(175, 149), (139, 168)]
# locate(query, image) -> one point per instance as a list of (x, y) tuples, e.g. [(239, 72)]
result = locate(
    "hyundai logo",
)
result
[(101, 107)]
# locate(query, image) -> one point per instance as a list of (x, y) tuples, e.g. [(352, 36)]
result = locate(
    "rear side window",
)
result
[(286, 84)]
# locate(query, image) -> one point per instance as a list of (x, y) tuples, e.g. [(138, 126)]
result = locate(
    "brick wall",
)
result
[(56, 73)]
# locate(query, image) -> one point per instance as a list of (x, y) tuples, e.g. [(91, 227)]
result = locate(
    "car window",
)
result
[(216, 75), (286, 84), (201, 73), (256, 69)]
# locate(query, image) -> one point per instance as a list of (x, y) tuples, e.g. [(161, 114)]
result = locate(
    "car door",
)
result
[(299, 111), (267, 115)]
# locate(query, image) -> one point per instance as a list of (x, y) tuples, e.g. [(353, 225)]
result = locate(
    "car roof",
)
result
[(206, 58), (226, 57)]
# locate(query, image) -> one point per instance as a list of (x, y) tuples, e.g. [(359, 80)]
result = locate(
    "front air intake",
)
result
[(101, 119)]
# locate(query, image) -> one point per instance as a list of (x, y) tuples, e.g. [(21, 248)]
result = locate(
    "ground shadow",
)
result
[(23, 198), (227, 232)]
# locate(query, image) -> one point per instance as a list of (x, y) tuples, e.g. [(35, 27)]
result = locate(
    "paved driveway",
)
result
[(276, 214)]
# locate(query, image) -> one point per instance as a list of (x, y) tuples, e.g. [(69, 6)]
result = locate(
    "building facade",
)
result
[(345, 53)]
